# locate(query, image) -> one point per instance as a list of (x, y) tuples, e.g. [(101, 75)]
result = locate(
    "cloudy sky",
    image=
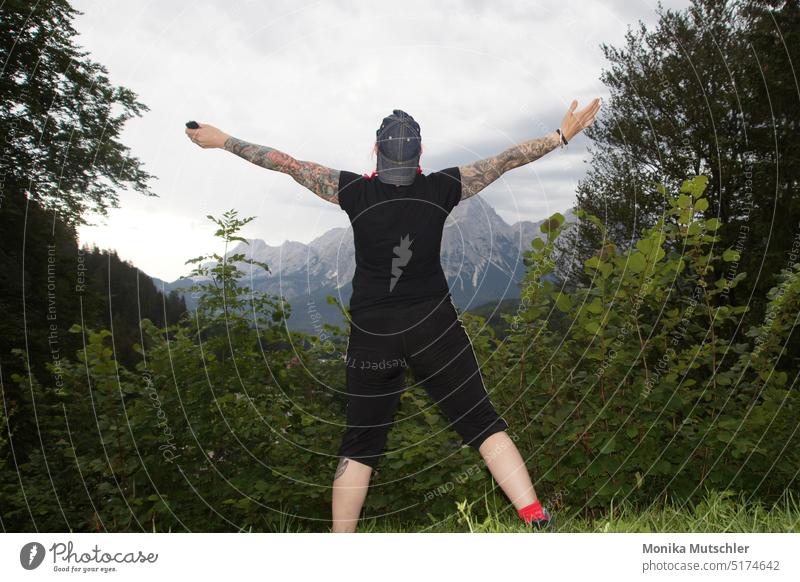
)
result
[(314, 79)]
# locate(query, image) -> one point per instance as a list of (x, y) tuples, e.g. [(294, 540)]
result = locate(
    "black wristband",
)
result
[(561, 135)]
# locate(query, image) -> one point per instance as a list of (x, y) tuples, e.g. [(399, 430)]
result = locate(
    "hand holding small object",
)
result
[(204, 135)]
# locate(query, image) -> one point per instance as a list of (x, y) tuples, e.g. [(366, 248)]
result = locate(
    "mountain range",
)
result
[(481, 257)]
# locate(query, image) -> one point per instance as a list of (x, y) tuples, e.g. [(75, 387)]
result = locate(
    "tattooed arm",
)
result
[(322, 181), (475, 177)]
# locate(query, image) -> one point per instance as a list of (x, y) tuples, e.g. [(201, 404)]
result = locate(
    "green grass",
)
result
[(716, 512)]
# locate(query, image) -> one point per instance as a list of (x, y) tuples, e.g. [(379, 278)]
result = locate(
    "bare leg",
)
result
[(349, 491), (508, 469)]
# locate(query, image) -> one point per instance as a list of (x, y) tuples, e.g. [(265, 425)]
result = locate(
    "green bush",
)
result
[(628, 390)]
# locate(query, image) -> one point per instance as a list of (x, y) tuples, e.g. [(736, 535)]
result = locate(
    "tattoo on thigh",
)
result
[(341, 468)]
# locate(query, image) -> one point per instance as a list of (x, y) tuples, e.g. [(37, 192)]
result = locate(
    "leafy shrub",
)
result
[(629, 387), (626, 390)]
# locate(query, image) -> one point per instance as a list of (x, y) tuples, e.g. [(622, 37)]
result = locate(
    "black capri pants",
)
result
[(429, 338)]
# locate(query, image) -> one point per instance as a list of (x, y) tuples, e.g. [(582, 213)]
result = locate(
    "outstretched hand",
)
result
[(207, 136), (576, 121)]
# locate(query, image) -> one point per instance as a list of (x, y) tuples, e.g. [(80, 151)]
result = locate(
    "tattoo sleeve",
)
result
[(341, 468), (475, 177), (322, 181)]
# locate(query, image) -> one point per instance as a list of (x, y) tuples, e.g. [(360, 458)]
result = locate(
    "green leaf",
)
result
[(724, 435), (591, 326), (552, 223), (645, 245), (685, 217), (636, 262), (609, 446), (595, 306), (730, 255), (563, 302), (695, 186), (684, 201), (597, 222)]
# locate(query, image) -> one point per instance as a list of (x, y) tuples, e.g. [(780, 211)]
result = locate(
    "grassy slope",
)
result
[(717, 512)]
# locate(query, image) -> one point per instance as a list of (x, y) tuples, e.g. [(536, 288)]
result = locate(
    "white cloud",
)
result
[(314, 79)]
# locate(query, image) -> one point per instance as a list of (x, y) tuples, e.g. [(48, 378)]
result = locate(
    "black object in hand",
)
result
[(192, 125)]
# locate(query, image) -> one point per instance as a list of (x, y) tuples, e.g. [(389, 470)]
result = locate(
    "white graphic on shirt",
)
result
[(402, 256)]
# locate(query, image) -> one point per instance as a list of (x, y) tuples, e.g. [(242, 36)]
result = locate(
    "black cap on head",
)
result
[(399, 148)]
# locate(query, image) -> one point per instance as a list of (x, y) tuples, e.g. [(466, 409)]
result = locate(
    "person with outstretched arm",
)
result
[(402, 314)]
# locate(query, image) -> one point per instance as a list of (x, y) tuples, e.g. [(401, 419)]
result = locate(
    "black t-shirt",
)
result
[(397, 232)]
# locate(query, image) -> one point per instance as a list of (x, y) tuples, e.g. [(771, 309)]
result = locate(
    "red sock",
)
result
[(531, 512)]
